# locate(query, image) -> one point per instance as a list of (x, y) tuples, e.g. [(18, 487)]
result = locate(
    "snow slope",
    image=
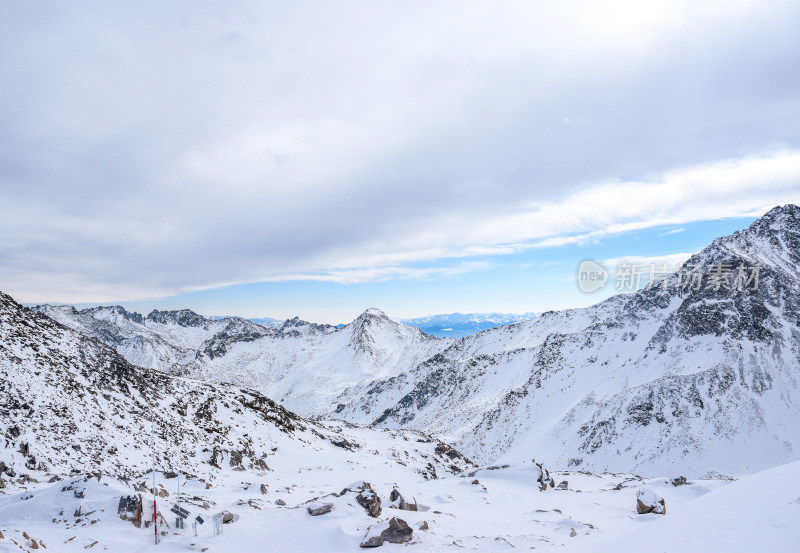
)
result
[(757, 513)]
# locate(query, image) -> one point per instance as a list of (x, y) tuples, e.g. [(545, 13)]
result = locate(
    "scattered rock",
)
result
[(356, 487), (264, 489), (227, 517), (573, 533), (370, 501), (424, 525), (564, 485), (130, 508), (544, 478), (316, 509), (476, 482), (280, 502), (649, 502), (399, 503), (170, 474), (679, 481), (395, 531)]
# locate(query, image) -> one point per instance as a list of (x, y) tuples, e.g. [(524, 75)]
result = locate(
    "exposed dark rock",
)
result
[(395, 531), (370, 501)]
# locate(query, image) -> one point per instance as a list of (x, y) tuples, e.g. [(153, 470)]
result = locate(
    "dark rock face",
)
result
[(182, 317)]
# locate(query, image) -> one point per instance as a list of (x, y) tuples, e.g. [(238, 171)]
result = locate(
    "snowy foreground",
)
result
[(505, 510)]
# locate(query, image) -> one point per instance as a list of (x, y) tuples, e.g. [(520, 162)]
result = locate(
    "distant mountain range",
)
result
[(670, 378), (458, 325), (451, 325)]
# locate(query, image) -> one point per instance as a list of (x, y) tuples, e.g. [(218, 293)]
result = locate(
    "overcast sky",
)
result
[(150, 150)]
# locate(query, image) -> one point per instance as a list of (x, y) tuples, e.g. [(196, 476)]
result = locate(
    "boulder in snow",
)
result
[(394, 531), (398, 502), (679, 481), (370, 501), (316, 509), (648, 501)]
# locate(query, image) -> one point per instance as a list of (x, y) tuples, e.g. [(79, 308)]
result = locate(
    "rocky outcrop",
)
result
[(394, 531), (130, 508)]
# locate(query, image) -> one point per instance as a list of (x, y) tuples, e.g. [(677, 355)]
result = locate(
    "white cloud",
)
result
[(347, 142)]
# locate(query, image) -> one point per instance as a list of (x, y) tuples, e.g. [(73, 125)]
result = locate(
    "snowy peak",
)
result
[(183, 317), (373, 330)]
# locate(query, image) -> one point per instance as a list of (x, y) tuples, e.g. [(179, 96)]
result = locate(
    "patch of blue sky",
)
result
[(535, 279)]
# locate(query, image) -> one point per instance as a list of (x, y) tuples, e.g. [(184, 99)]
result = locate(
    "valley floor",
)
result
[(504, 511)]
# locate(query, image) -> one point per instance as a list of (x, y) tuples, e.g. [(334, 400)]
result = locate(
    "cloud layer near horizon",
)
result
[(151, 149)]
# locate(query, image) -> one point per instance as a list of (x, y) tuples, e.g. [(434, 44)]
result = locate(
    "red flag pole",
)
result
[(155, 507)]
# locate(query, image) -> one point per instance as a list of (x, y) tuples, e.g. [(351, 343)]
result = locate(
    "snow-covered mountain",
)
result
[(663, 379), (458, 325), (675, 378), (69, 401), (306, 365)]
